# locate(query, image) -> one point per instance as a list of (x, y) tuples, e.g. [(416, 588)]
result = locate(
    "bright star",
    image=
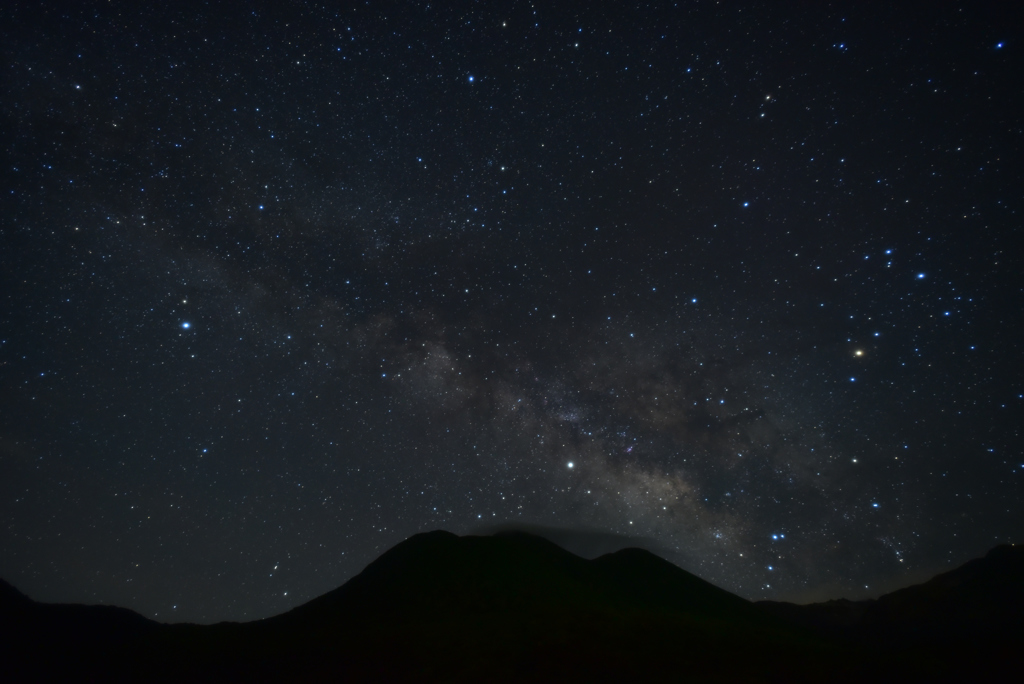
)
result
[(571, 465), (186, 325)]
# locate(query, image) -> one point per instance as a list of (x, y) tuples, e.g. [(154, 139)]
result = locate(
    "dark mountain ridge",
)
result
[(516, 571), (978, 600), (516, 607)]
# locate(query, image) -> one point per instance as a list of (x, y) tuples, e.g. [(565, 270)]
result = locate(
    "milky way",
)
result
[(283, 287)]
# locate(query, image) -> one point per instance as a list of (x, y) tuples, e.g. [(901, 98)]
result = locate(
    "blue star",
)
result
[(186, 325)]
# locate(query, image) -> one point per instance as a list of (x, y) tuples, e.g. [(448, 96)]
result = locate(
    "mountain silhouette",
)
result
[(516, 607), (516, 572), (958, 623), (982, 598)]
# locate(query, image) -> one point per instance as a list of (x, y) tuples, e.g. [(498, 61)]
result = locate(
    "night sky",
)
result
[(280, 288)]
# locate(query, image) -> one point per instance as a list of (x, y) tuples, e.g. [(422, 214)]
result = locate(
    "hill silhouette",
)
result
[(966, 620), (516, 607), (980, 599)]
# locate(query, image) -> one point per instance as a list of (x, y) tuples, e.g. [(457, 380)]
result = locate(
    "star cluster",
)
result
[(283, 286)]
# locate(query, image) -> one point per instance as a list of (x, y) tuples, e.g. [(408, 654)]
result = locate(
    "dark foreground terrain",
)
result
[(515, 607)]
